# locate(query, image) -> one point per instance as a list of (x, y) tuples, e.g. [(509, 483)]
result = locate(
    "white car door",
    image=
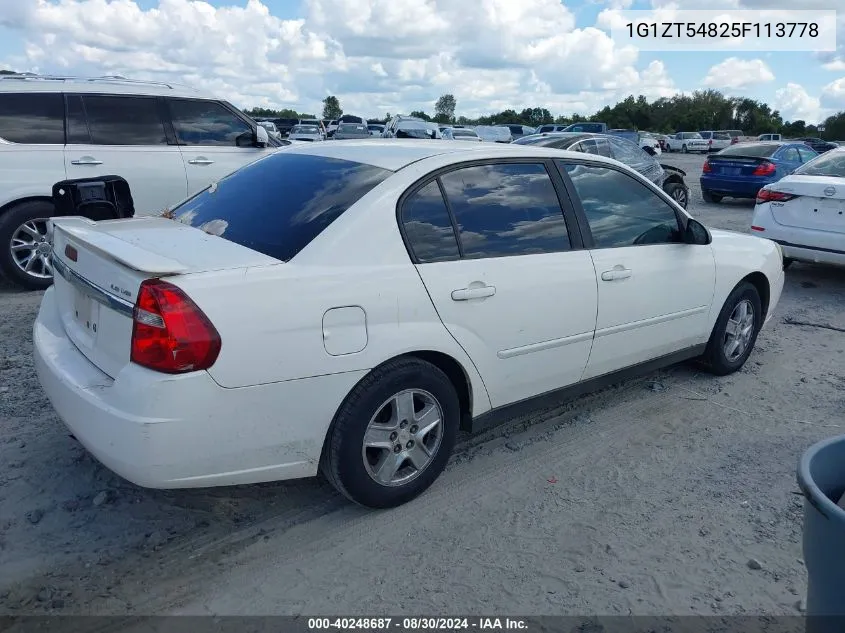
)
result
[(514, 288), (213, 138), (124, 135), (654, 291)]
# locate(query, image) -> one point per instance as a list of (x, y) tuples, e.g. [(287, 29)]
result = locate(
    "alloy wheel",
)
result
[(31, 249), (739, 330)]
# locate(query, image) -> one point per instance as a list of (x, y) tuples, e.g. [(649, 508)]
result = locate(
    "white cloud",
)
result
[(833, 95), (375, 55), (737, 74), (795, 103)]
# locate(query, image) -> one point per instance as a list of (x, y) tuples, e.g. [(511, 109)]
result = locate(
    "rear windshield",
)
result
[(464, 133), (306, 194), (351, 127), (828, 164), (752, 150)]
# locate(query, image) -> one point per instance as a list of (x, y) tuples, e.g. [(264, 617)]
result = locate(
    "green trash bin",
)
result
[(821, 477)]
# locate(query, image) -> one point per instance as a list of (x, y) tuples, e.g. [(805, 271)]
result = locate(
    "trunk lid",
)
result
[(733, 165), (99, 267), (820, 205)]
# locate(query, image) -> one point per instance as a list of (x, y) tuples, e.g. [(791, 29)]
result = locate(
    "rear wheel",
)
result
[(684, 149), (24, 249), (709, 196), (735, 332), (394, 433)]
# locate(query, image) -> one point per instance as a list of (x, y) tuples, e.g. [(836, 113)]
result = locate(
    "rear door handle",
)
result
[(479, 292), (616, 273), (200, 161), (86, 160)]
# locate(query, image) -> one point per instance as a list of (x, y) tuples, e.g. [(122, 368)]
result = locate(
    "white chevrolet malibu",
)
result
[(347, 307)]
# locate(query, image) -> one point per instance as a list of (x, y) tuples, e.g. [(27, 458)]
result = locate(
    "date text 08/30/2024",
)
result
[(417, 624)]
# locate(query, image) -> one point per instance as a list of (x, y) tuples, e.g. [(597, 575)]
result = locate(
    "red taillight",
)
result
[(766, 195), (765, 169), (170, 333), (71, 253), (706, 168), (757, 228)]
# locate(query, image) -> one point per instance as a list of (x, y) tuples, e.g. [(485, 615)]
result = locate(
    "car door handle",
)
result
[(200, 161), (478, 292), (86, 160), (616, 273)]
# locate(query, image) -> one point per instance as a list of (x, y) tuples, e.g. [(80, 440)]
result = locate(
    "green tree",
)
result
[(420, 115), (444, 109), (331, 108)]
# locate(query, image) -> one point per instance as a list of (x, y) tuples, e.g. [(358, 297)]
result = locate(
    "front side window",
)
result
[(32, 118), (506, 209), (791, 154), (806, 154), (308, 193), (620, 210), (121, 120), (203, 122), (428, 226)]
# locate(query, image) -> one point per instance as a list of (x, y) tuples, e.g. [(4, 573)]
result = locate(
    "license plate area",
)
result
[(86, 313), (732, 171)]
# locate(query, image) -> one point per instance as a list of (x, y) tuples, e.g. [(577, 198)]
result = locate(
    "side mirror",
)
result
[(697, 233), (261, 137)]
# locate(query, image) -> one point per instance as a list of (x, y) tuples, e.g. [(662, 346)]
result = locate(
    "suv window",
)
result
[(506, 209), (317, 191), (203, 122), (124, 120), (620, 210), (32, 118), (428, 226), (626, 151)]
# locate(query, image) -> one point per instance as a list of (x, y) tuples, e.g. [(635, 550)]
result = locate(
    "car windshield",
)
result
[(305, 129), (317, 190), (352, 128), (721, 136), (828, 164), (692, 135), (751, 150)]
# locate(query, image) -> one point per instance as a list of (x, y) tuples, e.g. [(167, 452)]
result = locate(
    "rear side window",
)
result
[(506, 209), (828, 164), (202, 122), (428, 227), (32, 118), (308, 193), (791, 154), (124, 120), (597, 146)]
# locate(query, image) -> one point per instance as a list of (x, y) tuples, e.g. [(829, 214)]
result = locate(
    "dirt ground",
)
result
[(672, 494)]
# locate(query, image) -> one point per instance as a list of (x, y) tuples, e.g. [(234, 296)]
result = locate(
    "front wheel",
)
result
[(736, 330), (24, 248), (679, 193), (393, 434), (684, 149)]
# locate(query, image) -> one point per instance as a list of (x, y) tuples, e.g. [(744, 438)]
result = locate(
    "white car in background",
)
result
[(167, 141), (305, 133), (688, 142), (650, 144), (460, 134), (356, 327), (716, 140), (804, 212), (271, 129)]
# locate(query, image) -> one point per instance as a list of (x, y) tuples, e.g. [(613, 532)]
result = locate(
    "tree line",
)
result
[(701, 110)]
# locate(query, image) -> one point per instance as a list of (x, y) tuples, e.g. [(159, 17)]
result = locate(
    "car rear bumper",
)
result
[(740, 188), (800, 244), (185, 431)]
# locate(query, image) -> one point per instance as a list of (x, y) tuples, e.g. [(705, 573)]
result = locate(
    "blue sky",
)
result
[(399, 55)]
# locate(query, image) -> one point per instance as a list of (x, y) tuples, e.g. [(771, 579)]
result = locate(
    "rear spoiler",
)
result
[(88, 233)]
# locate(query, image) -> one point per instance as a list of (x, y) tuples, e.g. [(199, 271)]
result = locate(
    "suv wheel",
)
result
[(684, 149), (24, 249)]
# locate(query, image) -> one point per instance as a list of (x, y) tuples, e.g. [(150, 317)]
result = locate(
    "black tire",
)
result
[(684, 149), (10, 223), (343, 458), (709, 196), (679, 193), (715, 356), (787, 262)]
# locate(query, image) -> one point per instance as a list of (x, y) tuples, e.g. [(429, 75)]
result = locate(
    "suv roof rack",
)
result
[(104, 79)]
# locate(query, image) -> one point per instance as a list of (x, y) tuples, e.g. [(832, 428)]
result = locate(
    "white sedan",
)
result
[(354, 327), (804, 212)]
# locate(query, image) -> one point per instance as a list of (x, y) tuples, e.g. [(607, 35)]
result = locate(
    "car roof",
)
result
[(394, 154), (98, 85)]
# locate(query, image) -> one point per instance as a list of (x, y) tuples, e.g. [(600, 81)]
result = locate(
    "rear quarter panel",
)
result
[(29, 171)]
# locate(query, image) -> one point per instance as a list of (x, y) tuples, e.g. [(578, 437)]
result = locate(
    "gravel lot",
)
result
[(673, 494)]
